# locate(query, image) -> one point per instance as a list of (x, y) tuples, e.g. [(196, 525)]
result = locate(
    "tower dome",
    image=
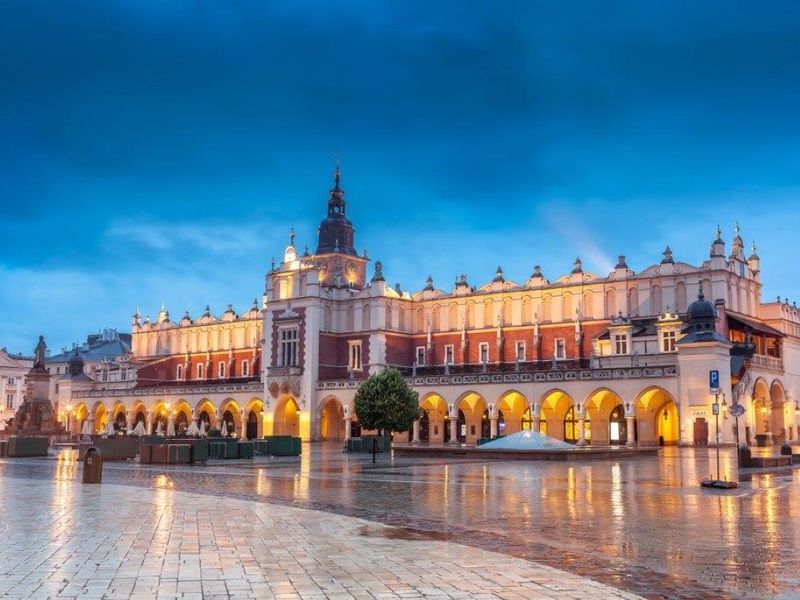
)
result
[(701, 313)]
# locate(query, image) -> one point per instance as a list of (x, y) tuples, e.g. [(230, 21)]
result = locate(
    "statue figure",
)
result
[(39, 351)]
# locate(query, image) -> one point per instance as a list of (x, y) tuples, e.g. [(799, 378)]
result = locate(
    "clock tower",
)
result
[(336, 256)]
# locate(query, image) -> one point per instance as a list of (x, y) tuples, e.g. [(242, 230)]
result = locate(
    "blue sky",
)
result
[(161, 151)]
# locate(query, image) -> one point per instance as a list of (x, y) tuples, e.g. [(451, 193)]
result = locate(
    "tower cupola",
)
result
[(336, 233)]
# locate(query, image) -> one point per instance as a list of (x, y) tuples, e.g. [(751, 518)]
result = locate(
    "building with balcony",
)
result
[(616, 358)]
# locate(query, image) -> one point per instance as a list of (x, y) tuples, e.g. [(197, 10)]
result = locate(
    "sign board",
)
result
[(713, 381), (715, 408), (737, 410), (463, 430)]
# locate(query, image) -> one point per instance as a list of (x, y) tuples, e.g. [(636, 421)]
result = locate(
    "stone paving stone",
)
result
[(118, 542)]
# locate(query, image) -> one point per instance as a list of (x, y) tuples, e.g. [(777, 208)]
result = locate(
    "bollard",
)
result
[(93, 465)]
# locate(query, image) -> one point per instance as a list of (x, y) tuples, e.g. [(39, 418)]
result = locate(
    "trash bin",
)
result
[(93, 465)]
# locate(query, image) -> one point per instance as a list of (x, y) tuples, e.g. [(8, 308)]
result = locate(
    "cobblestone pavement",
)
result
[(643, 525), (63, 539)]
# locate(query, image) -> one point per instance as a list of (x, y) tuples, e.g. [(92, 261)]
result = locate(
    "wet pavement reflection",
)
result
[(641, 524)]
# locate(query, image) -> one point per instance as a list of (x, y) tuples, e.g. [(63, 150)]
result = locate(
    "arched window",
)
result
[(351, 318), (419, 320), (566, 307), (546, 309), (328, 319), (588, 305), (435, 324), (452, 317), (366, 321), (655, 300), (633, 301), (507, 319), (611, 308), (401, 319), (527, 310), (488, 313), (388, 316), (680, 297), (470, 315)]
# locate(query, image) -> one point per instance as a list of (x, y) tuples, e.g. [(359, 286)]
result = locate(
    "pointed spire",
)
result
[(667, 254), (461, 281), (255, 304), (754, 253), (498, 275), (429, 284), (578, 266), (291, 236), (718, 240), (336, 203), (207, 311)]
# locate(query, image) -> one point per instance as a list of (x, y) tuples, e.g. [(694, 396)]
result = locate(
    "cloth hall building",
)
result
[(618, 358)]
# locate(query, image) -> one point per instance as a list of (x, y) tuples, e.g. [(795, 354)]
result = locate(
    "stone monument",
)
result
[(35, 416)]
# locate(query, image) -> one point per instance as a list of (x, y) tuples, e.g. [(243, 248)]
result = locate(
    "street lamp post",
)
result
[(718, 483)]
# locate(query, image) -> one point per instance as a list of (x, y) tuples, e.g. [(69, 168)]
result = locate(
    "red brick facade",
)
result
[(165, 370)]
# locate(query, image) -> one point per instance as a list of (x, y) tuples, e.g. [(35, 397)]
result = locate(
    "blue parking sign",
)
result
[(713, 381)]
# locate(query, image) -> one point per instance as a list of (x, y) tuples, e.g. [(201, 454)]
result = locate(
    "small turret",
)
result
[(718, 246), (754, 262), (578, 266), (667, 257), (498, 275)]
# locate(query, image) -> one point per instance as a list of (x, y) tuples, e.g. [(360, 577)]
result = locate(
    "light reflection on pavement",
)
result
[(642, 524)]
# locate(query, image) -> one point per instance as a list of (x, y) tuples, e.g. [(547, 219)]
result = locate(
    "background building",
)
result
[(13, 369)]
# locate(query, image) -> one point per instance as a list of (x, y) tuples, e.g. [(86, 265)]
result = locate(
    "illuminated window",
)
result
[(621, 343), (668, 341), (520, 351), (449, 356), (560, 348), (287, 350), (355, 355), (572, 431), (483, 351), (420, 356), (245, 368)]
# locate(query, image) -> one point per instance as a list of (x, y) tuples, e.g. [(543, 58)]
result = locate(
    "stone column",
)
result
[(415, 433), (535, 423), (631, 442), (582, 430), (348, 428), (243, 425), (493, 427), (453, 432)]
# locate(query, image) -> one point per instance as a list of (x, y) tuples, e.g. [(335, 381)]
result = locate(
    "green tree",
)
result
[(386, 402)]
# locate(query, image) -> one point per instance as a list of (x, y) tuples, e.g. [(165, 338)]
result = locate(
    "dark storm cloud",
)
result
[(123, 119)]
